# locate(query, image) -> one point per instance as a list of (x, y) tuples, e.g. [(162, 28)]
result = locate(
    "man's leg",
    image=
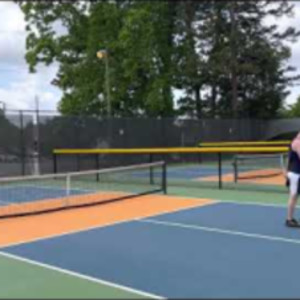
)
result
[(293, 185), (291, 206)]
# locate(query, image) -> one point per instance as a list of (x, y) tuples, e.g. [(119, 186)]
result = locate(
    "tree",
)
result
[(138, 38), (230, 63), (146, 42), (222, 55), (292, 110), (190, 72)]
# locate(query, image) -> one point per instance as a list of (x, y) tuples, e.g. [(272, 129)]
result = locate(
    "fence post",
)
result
[(151, 169), (235, 170), (36, 143), (97, 167), (54, 163), (220, 169), (78, 161), (22, 146), (164, 179)]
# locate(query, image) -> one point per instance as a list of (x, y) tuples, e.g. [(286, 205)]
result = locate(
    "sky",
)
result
[(19, 89)]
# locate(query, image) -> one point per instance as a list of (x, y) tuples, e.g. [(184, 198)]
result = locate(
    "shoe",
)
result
[(292, 223)]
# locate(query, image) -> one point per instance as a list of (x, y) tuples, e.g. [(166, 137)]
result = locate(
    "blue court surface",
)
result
[(189, 172), (21, 194), (220, 250)]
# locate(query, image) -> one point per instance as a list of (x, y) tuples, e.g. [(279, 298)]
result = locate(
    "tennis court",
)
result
[(216, 250), (192, 242)]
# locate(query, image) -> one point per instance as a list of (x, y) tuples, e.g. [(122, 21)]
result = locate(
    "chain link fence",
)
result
[(28, 137)]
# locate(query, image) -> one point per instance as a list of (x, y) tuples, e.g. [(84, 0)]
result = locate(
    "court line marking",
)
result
[(81, 276), (109, 224), (254, 203), (237, 201), (219, 230), (111, 284), (87, 229), (214, 201)]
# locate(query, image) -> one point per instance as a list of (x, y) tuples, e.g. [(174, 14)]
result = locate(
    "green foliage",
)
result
[(292, 110), (222, 55), (239, 49)]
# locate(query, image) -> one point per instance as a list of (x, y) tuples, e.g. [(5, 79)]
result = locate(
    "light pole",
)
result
[(103, 54), (36, 142)]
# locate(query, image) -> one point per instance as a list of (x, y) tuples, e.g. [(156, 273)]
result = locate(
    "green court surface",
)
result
[(22, 279), (28, 281), (262, 197)]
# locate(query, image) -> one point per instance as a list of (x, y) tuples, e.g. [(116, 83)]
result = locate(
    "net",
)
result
[(36, 194), (253, 166)]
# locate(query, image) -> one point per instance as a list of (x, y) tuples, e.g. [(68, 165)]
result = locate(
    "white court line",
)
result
[(253, 203), (110, 224), (214, 201), (236, 201), (78, 275), (87, 229), (218, 230), (145, 221)]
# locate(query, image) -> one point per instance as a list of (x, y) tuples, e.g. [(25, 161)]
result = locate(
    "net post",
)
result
[(220, 169), (164, 177)]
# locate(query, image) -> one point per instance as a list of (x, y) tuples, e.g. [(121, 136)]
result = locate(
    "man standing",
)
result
[(293, 177)]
